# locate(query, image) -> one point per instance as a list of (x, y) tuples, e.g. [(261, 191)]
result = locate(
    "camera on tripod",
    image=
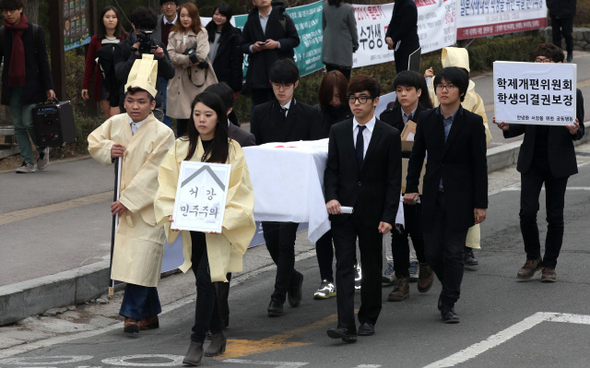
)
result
[(145, 42), (191, 52)]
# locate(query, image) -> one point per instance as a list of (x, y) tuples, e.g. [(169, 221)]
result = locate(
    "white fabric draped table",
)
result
[(288, 181)]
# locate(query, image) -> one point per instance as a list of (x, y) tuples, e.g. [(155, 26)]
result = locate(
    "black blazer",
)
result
[(332, 115), (229, 59), (37, 73), (243, 137), (404, 24), (259, 62), (560, 146), (303, 123), (460, 162), (373, 189), (394, 118)]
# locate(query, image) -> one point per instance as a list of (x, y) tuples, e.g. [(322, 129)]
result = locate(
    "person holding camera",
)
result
[(139, 42), (188, 47)]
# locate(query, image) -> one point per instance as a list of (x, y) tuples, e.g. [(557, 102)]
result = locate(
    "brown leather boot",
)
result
[(194, 354), (529, 268), (401, 290), (131, 326), (148, 323), (425, 278), (217, 346)]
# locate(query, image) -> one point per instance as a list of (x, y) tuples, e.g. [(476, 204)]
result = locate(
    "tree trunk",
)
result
[(31, 10)]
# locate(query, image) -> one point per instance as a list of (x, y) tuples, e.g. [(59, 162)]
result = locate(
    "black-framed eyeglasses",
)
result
[(448, 87), (543, 60), (284, 85), (361, 99)]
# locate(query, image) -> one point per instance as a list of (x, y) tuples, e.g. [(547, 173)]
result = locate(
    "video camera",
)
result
[(145, 42), (191, 51)]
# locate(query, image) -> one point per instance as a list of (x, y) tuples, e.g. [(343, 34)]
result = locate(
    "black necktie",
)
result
[(283, 111), (360, 145)]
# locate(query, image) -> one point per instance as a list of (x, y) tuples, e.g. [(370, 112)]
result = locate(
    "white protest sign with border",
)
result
[(200, 196), (535, 93)]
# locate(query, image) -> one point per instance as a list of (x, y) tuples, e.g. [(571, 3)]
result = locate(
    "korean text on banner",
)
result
[(200, 196), (436, 29), (535, 93), (479, 18)]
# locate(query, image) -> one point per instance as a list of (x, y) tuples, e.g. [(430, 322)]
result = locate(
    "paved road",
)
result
[(504, 323)]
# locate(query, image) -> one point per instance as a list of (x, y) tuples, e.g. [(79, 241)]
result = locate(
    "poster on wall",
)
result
[(76, 28), (480, 18)]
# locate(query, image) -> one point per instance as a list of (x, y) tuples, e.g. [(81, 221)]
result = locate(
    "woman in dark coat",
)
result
[(224, 47)]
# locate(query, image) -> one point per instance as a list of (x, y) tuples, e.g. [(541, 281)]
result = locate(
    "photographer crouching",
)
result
[(188, 46), (139, 42)]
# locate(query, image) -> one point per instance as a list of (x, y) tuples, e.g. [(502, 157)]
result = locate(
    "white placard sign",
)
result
[(200, 196), (535, 93)]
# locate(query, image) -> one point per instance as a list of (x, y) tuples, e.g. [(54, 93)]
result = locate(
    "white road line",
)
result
[(262, 362), (505, 335)]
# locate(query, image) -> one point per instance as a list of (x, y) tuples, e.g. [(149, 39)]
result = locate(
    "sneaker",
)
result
[(468, 257), (548, 275), (358, 277), (414, 271), (25, 168), (389, 275), (326, 290), (43, 159), (529, 268)]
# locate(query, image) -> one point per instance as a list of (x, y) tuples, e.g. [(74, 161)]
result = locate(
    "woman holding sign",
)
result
[(207, 141)]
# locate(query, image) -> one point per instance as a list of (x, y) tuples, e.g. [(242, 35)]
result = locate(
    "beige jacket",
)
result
[(183, 88), (225, 250), (139, 241)]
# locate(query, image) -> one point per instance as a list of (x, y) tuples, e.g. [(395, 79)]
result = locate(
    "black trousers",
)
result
[(400, 247), (325, 254), (207, 316), (532, 181), (221, 288), (563, 27), (401, 56), (444, 250), (280, 242), (341, 69), (370, 245)]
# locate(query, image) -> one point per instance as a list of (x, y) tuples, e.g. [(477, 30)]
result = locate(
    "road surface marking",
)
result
[(261, 362), (505, 335)]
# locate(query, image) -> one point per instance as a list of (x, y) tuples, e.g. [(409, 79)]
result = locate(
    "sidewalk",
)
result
[(55, 224)]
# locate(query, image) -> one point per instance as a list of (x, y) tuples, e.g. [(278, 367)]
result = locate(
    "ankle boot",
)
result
[(217, 346), (194, 354)]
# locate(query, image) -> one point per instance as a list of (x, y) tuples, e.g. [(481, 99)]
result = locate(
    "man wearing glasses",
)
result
[(284, 120), (362, 185), (547, 157), (455, 190)]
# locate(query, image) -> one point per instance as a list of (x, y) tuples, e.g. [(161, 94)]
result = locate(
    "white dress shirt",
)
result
[(134, 125)]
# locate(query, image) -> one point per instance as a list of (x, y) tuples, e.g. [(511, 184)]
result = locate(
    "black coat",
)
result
[(404, 24), (124, 58), (561, 9), (303, 123), (332, 115), (560, 145), (374, 188), (37, 73), (460, 161), (259, 62), (229, 58), (243, 137), (394, 118)]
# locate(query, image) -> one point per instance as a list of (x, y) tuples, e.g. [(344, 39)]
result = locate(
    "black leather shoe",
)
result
[(342, 333), (366, 329), (294, 293), (468, 257), (449, 316), (275, 308), (570, 57)]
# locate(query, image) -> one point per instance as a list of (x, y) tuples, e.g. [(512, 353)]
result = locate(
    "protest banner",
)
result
[(535, 93), (479, 18), (200, 196)]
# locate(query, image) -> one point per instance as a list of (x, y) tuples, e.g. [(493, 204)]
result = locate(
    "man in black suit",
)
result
[(408, 86), (546, 156), (284, 120), (455, 189), (402, 33), (363, 172)]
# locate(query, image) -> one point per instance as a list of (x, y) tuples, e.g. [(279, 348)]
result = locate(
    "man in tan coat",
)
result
[(142, 142)]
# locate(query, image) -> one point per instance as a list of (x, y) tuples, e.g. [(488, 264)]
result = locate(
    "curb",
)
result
[(28, 298)]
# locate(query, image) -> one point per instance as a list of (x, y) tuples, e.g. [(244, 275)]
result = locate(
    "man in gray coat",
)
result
[(340, 36)]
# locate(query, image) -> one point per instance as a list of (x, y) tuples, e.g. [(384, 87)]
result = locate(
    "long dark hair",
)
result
[(102, 30), (333, 79), (218, 151), (224, 9)]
